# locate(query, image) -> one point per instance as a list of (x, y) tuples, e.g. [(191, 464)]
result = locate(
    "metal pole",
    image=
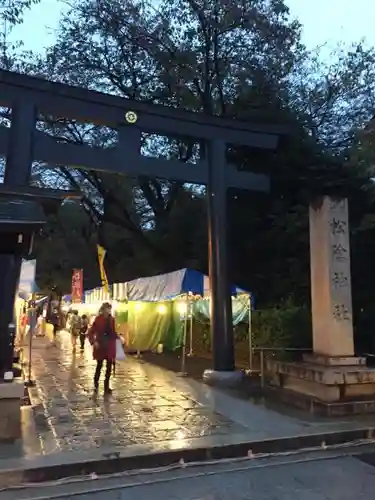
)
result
[(22, 336), (30, 353), (250, 339), (29, 382), (184, 338), (136, 328), (221, 303), (190, 310), (262, 368)]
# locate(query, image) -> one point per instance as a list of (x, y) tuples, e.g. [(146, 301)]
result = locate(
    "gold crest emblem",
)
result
[(131, 117)]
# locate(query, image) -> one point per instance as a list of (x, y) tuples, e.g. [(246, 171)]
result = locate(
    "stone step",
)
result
[(132, 458)]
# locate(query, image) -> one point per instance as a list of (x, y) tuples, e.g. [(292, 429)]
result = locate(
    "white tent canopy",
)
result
[(157, 288)]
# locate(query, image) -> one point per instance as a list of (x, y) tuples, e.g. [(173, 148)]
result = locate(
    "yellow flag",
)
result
[(103, 275)]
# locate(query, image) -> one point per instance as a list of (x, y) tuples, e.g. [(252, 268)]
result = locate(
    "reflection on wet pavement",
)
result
[(145, 406)]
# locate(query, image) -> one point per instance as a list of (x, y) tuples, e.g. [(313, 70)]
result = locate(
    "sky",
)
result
[(323, 21)]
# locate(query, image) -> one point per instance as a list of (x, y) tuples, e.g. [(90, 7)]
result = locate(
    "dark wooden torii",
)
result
[(21, 144)]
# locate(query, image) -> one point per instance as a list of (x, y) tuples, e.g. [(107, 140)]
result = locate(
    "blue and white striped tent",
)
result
[(165, 286)]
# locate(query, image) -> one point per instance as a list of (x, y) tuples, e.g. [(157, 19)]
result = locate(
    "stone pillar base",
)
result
[(319, 359), (11, 396), (336, 382), (223, 379)]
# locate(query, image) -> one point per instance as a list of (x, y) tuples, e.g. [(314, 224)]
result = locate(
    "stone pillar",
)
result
[(330, 278), (332, 374), (11, 396)]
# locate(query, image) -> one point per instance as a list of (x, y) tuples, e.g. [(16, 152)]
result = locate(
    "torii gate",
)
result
[(21, 144)]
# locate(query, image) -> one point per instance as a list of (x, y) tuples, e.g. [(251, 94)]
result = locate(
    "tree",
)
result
[(66, 242), (12, 10), (335, 93), (173, 55), (242, 59)]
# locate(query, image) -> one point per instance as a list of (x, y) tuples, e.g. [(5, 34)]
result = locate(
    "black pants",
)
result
[(55, 330), (82, 338), (108, 373)]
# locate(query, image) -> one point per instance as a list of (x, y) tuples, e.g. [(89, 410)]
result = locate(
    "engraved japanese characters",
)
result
[(340, 260)]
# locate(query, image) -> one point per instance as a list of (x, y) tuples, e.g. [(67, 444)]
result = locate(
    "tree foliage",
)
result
[(12, 10), (174, 55)]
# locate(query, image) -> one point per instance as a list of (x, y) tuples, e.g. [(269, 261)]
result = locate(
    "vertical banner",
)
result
[(27, 278), (103, 275), (77, 286)]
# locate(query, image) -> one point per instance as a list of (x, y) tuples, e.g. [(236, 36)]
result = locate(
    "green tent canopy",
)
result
[(153, 311)]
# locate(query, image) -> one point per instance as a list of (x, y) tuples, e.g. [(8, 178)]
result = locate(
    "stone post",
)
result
[(330, 279), (332, 374)]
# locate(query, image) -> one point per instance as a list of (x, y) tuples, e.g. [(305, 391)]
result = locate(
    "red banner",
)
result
[(77, 285)]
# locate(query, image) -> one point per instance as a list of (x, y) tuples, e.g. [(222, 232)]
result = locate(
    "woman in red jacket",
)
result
[(102, 336)]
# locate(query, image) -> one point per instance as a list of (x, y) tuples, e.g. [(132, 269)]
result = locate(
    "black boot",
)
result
[(97, 375), (107, 389), (108, 373)]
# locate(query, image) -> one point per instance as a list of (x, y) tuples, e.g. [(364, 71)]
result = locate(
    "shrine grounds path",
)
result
[(154, 418)]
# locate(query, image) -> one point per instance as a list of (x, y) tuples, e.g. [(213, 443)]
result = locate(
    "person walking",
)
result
[(32, 319), (83, 331), (55, 320), (102, 336), (75, 328)]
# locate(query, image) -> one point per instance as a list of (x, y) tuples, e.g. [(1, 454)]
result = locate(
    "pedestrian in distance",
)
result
[(55, 320), (83, 331), (75, 328), (102, 336), (32, 318)]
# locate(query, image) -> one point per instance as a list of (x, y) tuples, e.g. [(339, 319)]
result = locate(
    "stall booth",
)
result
[(156, 313)]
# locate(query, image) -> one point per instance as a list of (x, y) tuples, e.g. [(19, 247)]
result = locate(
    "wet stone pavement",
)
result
[(146, 406), (151, 410)]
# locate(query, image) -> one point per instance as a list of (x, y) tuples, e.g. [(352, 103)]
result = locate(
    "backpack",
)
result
[(76, 325), (84, 326)]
